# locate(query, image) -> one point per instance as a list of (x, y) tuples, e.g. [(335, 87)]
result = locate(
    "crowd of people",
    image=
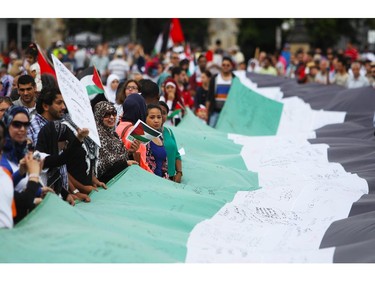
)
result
[(345, 67), (43, 150)]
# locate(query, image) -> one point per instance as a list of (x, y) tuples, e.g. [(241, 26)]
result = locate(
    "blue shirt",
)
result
[(36, 124), (159, 154)]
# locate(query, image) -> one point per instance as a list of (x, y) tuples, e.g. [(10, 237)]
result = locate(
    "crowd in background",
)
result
[(328, 66), (42, 149), (348, 68)]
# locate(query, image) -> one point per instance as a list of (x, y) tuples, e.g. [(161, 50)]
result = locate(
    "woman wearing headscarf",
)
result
[(19, 164), (173, 98), (50, 138), (80, 155), (15, 205), (16, 120), (113, 157), (134, 108), (111, 88)]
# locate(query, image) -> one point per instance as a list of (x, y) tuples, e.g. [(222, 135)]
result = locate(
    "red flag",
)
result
[(97, 80), (176, 32), (44, 64)]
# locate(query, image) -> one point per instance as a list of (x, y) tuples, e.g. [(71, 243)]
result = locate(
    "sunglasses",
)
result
[(20, 124), (111, 113)]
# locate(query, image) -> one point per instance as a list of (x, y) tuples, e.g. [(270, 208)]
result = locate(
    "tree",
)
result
[(257, 33)]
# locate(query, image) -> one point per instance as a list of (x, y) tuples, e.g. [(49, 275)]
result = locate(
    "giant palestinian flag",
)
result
[(287, 176)]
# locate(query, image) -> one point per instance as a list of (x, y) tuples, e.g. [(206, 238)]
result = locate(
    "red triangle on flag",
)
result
[(44, 64), (96, 79), (139, 130)]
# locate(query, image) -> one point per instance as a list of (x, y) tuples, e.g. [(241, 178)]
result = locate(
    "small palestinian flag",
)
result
[(143, 132), (174, 113), (91, 80)]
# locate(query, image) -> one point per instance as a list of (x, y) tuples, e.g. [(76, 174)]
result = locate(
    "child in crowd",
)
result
[(31, 56), (156, 155), (201, 113)]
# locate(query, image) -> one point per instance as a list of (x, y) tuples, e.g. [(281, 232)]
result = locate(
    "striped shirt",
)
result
[(36, 124), (222, 90)]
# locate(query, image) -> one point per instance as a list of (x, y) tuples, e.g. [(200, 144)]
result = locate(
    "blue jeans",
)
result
[(213, 119)]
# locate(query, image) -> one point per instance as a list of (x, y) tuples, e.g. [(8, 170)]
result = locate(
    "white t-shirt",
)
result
[(119, 67)]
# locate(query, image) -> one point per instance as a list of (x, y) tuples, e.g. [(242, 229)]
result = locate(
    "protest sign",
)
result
[(76, 99)]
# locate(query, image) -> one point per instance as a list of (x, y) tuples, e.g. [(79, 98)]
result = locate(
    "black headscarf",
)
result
[(134, 108), (14, 151)]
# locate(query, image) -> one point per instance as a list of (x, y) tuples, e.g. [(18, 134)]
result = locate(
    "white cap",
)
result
[(59, 43)]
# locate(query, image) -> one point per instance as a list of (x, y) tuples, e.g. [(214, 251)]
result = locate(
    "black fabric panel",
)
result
[(365, 204), (362, 228), (352, 144), (327, 97), (364, 119), (362, 252), (348, 130), (354, 100)]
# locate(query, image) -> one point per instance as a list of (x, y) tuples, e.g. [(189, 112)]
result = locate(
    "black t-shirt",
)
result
[(77, 165), (200, 97)]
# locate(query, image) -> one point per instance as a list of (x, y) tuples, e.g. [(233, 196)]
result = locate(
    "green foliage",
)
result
[(257, 33), (326, 32), (253, 33), (195, 30)]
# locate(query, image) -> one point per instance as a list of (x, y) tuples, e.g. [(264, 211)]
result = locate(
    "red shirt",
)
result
[(187, 98)]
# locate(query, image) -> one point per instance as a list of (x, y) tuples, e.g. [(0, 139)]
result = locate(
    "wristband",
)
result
[(34, 175), (179, 172), (75, 191)]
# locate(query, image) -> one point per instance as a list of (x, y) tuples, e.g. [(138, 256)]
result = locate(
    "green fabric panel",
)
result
[(141, 218), (93, 89), (247, 113), (209, 145)]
